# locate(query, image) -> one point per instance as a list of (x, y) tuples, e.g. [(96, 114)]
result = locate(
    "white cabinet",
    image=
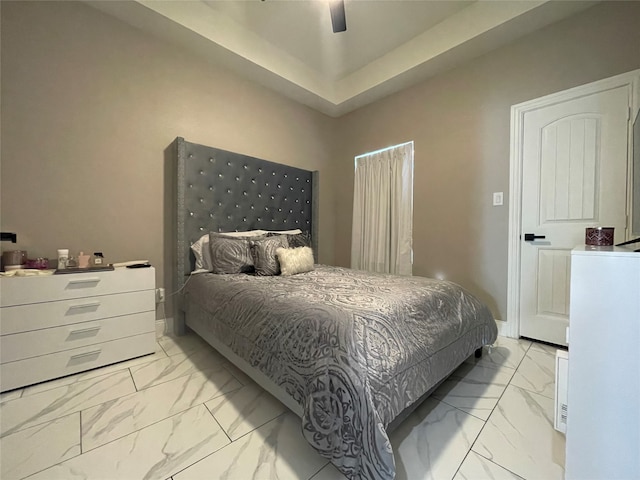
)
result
[(603, 421), (52, 326)]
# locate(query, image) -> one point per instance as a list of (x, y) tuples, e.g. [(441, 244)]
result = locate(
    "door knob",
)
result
[(530, 237)]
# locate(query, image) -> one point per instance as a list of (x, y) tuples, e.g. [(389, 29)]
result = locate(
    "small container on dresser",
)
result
[(98, 259), (83, 260), (57, 325), (63, 256)]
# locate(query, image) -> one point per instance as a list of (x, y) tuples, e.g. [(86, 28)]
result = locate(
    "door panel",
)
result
[(574, 176), (569, 165), (553, 281)]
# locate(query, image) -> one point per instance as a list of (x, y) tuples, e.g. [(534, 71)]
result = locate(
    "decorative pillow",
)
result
[(298, 239), (263, 252), (230, 254), (247, 234), (295, 260), (202, 251), (284, 232)]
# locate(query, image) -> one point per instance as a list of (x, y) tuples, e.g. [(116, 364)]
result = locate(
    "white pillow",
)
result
[(250, 233), (200, 249), (295, 260), (202, 252), (284, 232)]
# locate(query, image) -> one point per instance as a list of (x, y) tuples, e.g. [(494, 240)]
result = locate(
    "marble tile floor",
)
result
[(185, 413)]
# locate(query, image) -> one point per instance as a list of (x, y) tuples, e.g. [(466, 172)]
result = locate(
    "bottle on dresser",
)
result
[(83, 260), (63, 256), (98, 259)]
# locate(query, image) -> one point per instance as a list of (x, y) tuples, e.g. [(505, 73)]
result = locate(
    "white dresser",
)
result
[(603, 419), (57, 325)]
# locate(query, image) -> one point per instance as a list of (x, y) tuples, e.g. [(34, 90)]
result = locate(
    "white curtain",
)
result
[(383, 211)]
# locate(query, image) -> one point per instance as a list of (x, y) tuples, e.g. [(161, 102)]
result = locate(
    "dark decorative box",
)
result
[(599, 236)]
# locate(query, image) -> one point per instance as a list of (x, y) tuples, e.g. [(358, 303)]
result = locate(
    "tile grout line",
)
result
[(542, 352), (205, 372), (115, 370), (461, 410), (206, 456), (492, 410), (509, 383), (60, 415), (132, 380), (321, 468), (223, 447), (216, 420), (80, 415), (251, 431), (59, 463), (234, 376), (22, 395), (79, 412), (158, 342), (140, 429), (154, 423), (497, 464), (162, 419)]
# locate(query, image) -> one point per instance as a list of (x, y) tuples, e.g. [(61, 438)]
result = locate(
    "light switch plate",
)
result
[(498, 198)]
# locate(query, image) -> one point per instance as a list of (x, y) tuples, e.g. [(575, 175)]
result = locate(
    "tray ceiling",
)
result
[(289, 46)]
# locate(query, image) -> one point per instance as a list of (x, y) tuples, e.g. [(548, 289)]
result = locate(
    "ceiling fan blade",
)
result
[(338, 19)]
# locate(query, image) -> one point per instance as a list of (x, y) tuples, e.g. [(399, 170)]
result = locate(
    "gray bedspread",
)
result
[(354, 349)]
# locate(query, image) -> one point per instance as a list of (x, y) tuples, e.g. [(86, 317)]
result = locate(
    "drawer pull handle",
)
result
[(85, 305), (86, 280), (84, 330), (83, 355)]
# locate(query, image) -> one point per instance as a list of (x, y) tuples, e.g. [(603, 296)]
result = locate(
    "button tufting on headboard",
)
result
[(225, 191)]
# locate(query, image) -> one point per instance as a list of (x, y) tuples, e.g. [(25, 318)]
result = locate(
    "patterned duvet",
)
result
[(354, 349)]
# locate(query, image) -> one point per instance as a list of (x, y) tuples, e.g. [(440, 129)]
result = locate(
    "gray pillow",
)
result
[(230, 254), (264, 254), (296, 240)]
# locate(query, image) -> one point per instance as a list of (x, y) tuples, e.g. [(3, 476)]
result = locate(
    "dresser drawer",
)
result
[(38, 289), (46, 367), (36, 316), (51, 340)]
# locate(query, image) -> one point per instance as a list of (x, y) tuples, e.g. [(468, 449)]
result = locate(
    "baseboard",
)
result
[(164, 326), (504, 329)]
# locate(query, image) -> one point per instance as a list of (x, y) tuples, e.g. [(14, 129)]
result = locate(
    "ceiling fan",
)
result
[(338, 19)]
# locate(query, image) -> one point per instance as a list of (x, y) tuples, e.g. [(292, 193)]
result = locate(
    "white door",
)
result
[(574, 175)]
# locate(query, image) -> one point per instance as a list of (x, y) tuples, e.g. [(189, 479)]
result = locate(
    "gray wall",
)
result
[(89, 105), (460, 124)]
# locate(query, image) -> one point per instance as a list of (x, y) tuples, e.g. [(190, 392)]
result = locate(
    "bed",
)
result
[(350, 352)]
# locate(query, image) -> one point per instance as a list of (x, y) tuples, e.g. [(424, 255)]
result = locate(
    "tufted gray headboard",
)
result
[(223, 191)]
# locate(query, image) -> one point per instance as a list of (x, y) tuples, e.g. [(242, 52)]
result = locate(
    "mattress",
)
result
[(353, 349)]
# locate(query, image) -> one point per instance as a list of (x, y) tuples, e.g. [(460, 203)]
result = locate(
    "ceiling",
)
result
[(289, 46)]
